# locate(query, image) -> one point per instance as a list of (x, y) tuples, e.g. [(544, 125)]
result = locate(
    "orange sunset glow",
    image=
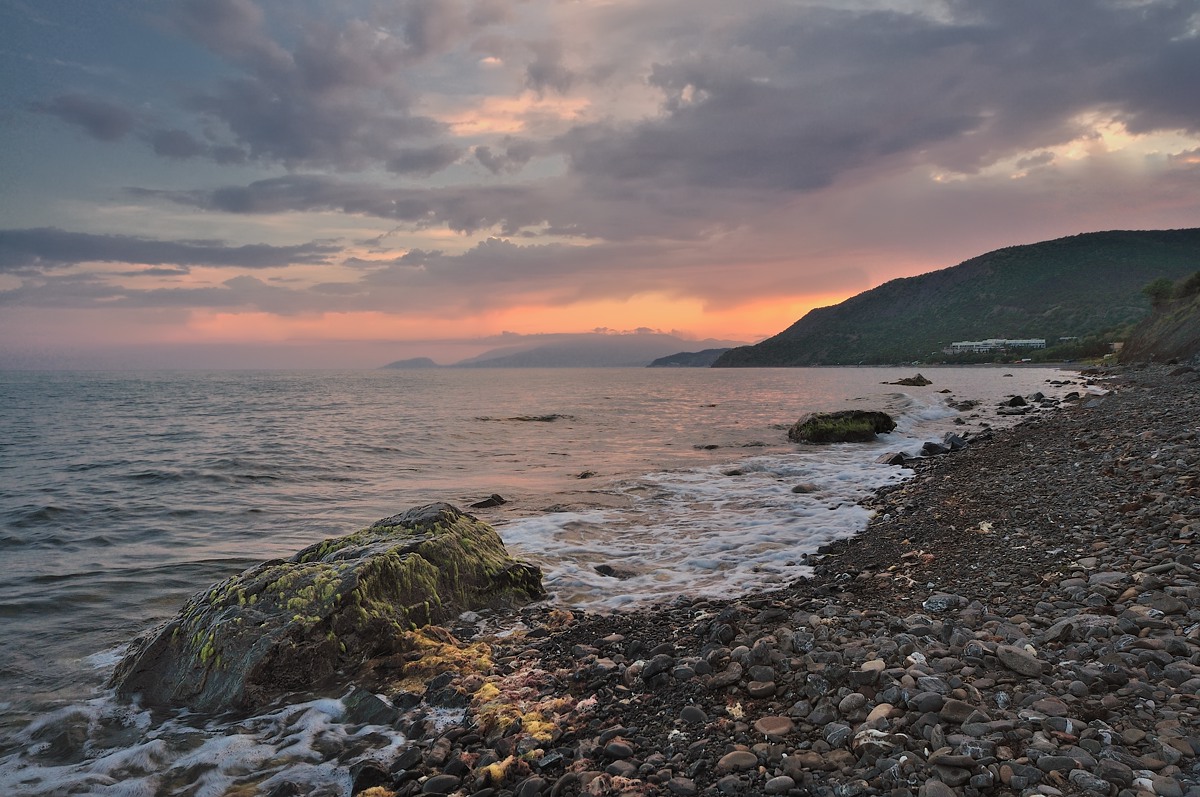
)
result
[(405, 179), (685, 316)]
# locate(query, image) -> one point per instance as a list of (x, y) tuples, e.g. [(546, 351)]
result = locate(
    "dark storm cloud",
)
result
[(466, 209), (82, 291), (157, 271), (71, 291), (339, 97), (178, 144), (602, 208), (424, 160), (514, 155), (100, 119), (794, 97), (756, 104), (546, 71), (49, 247)]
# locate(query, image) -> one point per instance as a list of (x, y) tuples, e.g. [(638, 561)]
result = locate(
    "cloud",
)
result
[(596, 208), (719, 152), (424, 160), (101, 119), (465, 209), (793, 98), (158, 271), (50, 247), (514, 155), (776, 97), (338, 97), (176, 144), (547, 69)]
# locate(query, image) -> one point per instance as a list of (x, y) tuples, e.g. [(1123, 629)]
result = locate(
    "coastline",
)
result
[(1020, 617)]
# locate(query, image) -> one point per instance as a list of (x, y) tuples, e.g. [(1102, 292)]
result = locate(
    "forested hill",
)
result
[(1074, 286), (1172, 331)]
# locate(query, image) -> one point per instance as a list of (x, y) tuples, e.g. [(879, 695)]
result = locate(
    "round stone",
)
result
[(1019, 660), (761, 688), (531, 787), (779, 785), (618, 749), (774, 728), (837, 734), (737, 761), (880, 712), (852, 702), (927, 701), (440, 784), (935, 788), (684, 787)]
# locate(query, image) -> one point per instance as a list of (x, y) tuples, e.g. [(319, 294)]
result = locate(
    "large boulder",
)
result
[(291, 625), (846, 426)]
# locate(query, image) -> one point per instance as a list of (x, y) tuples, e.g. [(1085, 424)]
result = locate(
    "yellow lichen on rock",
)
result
[(376, 791), (440, 652), (354, 603), (494, 774)]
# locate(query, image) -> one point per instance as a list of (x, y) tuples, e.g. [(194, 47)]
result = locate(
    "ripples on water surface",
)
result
[(122, 494)]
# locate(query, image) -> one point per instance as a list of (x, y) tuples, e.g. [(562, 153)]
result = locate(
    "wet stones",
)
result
[(774, 728), (737, 761), (1003, 628), (1019, 660)]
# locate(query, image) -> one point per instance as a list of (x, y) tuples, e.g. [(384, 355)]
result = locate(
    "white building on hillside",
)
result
[(994, 344)]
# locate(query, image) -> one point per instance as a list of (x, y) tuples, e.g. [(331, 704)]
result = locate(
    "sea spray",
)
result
[(95, 553)]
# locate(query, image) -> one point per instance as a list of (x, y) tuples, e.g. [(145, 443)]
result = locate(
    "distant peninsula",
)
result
[(1059, 290), (689, 359), (415, 363), (580, 350)]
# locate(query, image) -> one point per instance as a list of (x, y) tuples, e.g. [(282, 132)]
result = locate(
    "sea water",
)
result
[(121, 494)]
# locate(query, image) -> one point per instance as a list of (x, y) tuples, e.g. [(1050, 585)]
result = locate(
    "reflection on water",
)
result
[(123, 494)]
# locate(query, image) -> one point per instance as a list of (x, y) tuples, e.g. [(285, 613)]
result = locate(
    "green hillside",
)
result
[(1075, 286), (1172, 331)]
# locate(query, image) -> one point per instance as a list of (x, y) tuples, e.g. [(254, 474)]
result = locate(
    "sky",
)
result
[(290, 183)]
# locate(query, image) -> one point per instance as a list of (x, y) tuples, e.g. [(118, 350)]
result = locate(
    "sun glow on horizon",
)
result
[(748, 322)]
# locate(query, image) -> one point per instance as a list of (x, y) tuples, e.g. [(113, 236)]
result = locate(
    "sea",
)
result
[(123, 493)]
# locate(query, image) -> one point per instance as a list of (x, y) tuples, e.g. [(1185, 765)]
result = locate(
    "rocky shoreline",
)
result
[(1022, 617)]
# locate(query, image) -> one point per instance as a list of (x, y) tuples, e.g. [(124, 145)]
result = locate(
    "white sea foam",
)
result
[(75, 751), (730, 528), (715, 531), (106, 659)]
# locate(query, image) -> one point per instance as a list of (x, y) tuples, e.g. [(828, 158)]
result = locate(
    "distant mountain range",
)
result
[(1069, 287), (689, 359), (588, 350)]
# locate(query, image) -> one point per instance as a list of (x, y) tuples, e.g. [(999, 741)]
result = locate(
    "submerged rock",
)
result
[(290, 625), (846, 426)]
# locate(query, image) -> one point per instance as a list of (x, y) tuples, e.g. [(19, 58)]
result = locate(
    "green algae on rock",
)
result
[(846, 426), (291, 625)]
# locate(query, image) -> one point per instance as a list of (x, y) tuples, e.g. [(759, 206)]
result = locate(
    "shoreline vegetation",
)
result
[(1020, 617)]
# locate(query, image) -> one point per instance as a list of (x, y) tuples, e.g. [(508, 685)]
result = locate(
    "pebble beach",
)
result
[(1020, 617)]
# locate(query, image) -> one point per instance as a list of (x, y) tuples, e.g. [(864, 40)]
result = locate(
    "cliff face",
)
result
[(1076, 286), (1170, 333)]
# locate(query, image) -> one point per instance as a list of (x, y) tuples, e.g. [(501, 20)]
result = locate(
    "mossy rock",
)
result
[(292, 625), (847, 426)]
